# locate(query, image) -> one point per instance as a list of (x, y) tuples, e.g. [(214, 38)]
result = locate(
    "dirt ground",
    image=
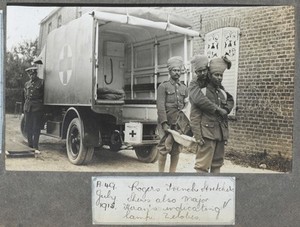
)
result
[(53, 157)]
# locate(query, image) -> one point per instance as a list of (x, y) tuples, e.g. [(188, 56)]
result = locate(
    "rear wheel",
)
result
[(22, 128), (78, 153), (147, 154), (115, 142)]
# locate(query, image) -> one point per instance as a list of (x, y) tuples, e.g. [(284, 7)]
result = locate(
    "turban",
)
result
[(218, 65), (199, 62), (175, 61)]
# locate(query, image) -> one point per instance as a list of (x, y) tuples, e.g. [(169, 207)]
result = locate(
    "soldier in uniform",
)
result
[(200, 65), (196, 96), (33, 107), (209, 109), (171, 99)]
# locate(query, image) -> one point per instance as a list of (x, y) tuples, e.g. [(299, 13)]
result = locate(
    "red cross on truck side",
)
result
[(65, 64)]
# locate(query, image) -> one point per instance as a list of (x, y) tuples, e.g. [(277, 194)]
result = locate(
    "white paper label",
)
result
[(180, 200), (133, 132)]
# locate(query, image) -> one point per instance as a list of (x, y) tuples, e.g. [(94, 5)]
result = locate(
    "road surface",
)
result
[(53, 157)]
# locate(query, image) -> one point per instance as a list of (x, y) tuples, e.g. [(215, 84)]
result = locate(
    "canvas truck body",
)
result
[(101, 73), (68, 65)]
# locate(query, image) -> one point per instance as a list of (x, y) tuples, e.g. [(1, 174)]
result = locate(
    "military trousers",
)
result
[(167, 145), (210, 155), (33, 123)]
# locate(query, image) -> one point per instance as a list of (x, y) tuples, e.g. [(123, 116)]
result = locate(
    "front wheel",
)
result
[(147, 154), (78, 153)]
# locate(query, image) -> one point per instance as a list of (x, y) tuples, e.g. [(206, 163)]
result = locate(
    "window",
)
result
[(49, 27), (59, 21), (78, 12), (225, 41)]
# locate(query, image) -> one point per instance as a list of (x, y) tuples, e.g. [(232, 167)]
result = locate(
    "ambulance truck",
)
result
[(101, 73)]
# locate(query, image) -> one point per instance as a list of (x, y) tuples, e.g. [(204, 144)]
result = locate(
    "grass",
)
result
[(260, 160), (255, 160)]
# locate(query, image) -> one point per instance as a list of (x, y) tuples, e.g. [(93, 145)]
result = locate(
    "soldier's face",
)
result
[(202, 73), (216, 78), (175, 73)]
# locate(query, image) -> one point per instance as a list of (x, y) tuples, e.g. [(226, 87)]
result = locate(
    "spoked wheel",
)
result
[(78, 153), (147, 153), (22, 128)]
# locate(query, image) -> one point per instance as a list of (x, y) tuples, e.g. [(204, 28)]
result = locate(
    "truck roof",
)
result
[(156, 15), (146, 17), (154, 18)]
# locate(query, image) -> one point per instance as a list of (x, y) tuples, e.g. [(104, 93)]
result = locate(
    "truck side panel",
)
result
[(68, 65)]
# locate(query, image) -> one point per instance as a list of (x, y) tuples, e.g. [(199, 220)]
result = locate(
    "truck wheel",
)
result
[(22, 128), (115, 142), (78, 153), (147, 154)]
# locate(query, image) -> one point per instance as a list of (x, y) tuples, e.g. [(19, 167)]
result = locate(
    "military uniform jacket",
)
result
[(198, 99), (205, 121), (33, 95), (171, 98)]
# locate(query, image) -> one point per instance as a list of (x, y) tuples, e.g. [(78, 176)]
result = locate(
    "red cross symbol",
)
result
[(65, 64), (132, 133)]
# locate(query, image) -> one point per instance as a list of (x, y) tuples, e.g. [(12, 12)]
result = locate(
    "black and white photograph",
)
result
[(150, 113), (203, 90)]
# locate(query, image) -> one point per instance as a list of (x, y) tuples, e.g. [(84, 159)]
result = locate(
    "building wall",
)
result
[(265, 95), (67, 14)]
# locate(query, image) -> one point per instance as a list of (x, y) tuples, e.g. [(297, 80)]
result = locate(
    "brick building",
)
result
[(265, 78), (261, 43)]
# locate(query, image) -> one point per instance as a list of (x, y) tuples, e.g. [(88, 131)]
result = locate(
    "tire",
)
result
[(148, 154), (115, 142), (22, 128), (78, 153)]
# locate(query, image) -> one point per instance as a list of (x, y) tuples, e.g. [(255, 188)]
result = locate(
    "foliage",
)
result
[(275, 162), (13, 98), (17, 61), (20, 58)]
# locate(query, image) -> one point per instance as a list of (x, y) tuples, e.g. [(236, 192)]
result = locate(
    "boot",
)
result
[(200, 171), (215, 170), (174, 162), (161, 162)]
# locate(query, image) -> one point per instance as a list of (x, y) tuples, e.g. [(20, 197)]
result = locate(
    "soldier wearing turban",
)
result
[(210, 105), (171, 99), (200, 64)]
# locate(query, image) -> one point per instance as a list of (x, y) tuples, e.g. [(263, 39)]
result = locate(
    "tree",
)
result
[(20, 58)]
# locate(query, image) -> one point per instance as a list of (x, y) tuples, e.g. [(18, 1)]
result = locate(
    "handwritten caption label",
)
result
[(163, 200)]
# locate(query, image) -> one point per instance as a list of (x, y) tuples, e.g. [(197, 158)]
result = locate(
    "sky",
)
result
[(23, 23)]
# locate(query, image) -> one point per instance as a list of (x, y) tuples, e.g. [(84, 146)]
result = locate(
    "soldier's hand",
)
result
[(222, 112), (200, 141), (165, 126)]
